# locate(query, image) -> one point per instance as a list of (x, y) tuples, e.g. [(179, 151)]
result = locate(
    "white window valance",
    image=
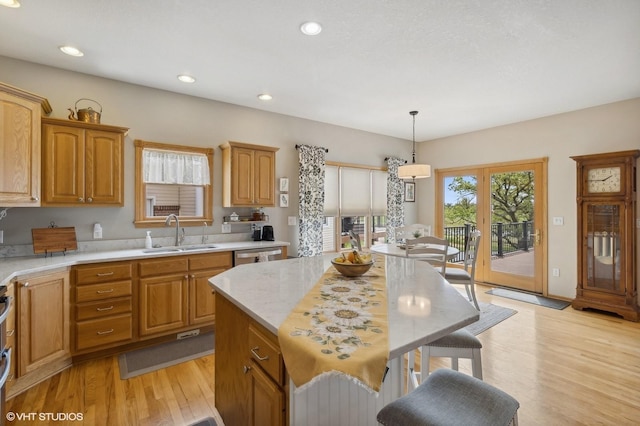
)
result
[(171, 167)]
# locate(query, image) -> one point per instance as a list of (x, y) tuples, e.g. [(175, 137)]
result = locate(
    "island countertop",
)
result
[(422, 306)]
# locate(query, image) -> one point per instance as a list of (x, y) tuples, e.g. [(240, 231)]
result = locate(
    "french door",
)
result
[(506, 202)]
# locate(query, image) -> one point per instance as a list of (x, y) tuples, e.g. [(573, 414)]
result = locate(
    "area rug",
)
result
[(529, 298), (153, 358), (490, 315)]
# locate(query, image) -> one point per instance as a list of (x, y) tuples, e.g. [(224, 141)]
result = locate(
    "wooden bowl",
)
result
[(352, 269)]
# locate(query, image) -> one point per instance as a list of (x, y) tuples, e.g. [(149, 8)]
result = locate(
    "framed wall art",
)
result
[(409, 192), (284, 200), (284, 184)]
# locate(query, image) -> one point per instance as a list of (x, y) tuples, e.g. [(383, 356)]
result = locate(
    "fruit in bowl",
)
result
[(353, 264)]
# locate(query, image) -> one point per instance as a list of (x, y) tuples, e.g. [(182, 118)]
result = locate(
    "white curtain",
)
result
[(175, 168)]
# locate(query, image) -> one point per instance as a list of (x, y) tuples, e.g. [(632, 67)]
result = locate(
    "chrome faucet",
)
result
[(168, 223), (204, 237)]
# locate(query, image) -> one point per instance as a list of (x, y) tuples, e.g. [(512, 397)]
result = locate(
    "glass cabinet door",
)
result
[(603, 246)]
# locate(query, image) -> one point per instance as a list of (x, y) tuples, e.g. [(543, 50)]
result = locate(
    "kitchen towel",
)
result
[(339, 327)]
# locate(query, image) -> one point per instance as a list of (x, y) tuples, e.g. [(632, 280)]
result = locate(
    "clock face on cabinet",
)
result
[(603, 179)]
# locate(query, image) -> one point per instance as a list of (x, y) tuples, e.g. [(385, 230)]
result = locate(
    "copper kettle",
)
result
[(88, 115)]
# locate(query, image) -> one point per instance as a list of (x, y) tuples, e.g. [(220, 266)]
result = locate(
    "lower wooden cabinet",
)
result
[(43, 312), (103, 306), (251, 385), (175, 293)]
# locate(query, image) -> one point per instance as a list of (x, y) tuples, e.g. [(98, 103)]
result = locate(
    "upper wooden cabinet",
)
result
[(248, 175), (83, 163), (20, 114)]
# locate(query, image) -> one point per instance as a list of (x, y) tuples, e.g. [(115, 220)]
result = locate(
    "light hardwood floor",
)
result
[(564, 367)]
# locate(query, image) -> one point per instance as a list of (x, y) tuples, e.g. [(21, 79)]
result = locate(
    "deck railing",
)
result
[(505, 238)]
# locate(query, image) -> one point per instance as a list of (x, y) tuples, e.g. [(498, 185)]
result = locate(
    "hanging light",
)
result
[(413, 170)]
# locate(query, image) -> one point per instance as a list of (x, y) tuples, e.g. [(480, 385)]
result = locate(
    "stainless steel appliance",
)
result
[(5, 364), (256, 255)]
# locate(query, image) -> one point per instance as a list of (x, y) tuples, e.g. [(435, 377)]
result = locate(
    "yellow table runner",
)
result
[(339, 327)]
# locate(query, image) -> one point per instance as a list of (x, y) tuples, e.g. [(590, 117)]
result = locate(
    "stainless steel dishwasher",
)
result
[(257, 255)]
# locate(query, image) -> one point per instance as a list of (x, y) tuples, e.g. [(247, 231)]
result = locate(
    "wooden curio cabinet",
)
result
[(606, 197)]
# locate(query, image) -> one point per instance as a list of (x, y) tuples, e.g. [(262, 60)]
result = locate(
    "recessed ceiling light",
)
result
[(186, 78), (311, 28), (265, 97), (10, 3), (71, 51)]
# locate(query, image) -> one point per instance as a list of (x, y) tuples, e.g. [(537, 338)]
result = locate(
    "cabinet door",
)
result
[(43, 310), (202, 301), (265, 176), (63, 165), (232, 363), (163, 304), (20, 147), (267, 399), (242, 177), (104, 168)]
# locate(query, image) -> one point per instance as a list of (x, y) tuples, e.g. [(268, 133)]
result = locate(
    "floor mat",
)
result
[(490, 315), (153, 358), (529, 298)]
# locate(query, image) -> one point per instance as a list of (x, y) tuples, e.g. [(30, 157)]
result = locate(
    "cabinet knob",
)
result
[(35, 199), (25, 284), (80, 200), (90, 200), (246, 369)]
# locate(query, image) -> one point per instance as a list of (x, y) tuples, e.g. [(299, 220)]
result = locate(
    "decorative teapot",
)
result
[(88, 115)]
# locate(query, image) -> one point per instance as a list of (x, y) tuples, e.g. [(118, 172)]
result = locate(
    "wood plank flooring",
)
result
[(564, 367)]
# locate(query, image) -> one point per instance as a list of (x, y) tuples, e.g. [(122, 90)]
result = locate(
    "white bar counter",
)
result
[(422, 307)]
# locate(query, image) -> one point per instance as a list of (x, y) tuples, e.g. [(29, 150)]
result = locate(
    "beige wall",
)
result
[(163, 116), (612, 127), (168, 117)]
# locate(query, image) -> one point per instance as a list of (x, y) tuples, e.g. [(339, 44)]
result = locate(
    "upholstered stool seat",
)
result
[(448, 397), (458, 344)]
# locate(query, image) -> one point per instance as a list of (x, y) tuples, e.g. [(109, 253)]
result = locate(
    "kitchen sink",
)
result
[(197, 247), (174, 249)]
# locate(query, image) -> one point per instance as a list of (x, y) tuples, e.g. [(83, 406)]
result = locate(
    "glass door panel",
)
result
[(514, 228)]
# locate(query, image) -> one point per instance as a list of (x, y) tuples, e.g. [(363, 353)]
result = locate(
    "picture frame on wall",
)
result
[(409, 192), (284, 200), (284, 184)]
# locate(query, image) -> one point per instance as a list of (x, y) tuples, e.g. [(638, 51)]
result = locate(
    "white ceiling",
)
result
[(464, 64)]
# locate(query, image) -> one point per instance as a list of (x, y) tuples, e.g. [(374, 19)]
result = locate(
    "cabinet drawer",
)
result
[(105, 308), (97, 292), (102, 273), (163, 266), (104, 331), (266, 354), (211, 261)]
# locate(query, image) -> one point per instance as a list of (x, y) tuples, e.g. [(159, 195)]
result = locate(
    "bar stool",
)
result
[(449, 397), (458, 344)]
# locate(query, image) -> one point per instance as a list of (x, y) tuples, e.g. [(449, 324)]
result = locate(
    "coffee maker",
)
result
[(267, 233)]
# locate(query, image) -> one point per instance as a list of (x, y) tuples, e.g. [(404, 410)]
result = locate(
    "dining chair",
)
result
[(467, 275), (430, 249), (449, 397)]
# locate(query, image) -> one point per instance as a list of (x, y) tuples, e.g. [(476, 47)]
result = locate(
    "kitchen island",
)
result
[(251, 381)]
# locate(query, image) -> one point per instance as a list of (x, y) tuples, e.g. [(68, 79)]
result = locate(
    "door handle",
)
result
[(537, 237)]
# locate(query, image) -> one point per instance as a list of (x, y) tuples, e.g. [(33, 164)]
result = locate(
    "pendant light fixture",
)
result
[(413, 170)]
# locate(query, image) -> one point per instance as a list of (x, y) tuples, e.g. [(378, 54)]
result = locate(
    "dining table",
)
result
[(398, 249)]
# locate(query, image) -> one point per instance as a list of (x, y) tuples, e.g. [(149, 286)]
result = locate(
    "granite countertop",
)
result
[(11, 267), (422, 306)]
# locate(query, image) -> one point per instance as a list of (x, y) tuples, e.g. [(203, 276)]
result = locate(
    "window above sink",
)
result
[(172, 179)]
